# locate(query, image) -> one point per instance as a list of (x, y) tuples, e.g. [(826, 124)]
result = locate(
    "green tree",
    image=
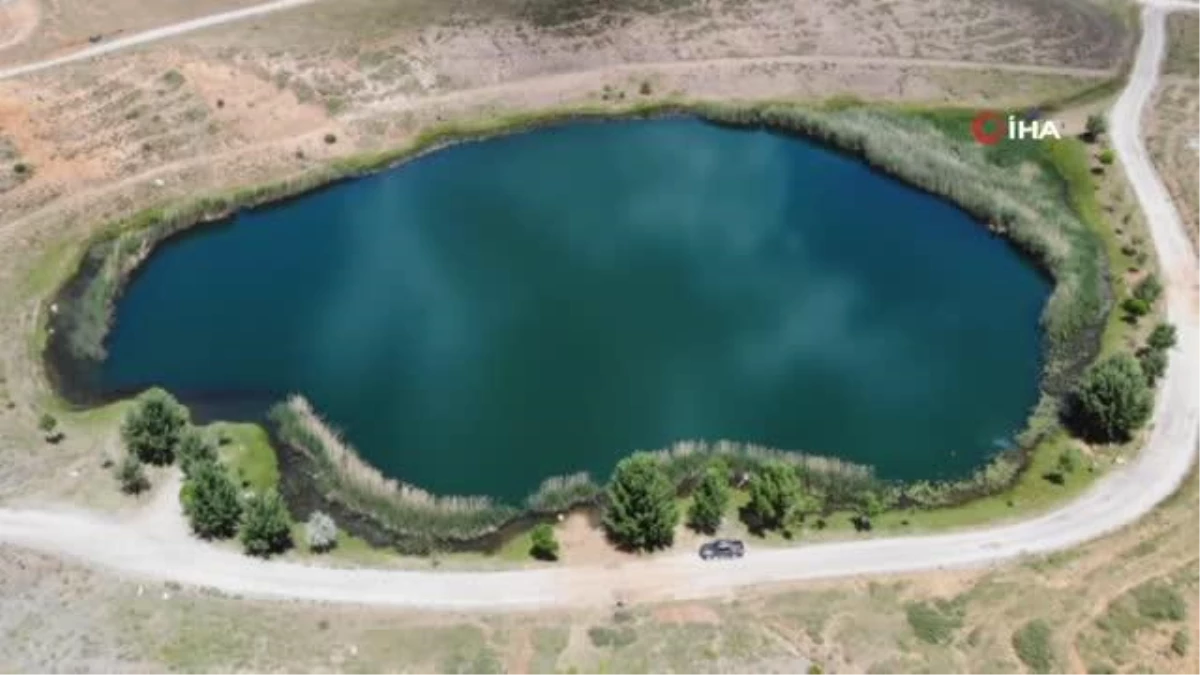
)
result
[(1069, 460), (1135, 308), (711, 499), (641, 513), (1112, 400), (1163, 337), (211, 502), (1106, 157), (774, 493), (132, 476), (48, 424), (267, 527), (1095, 126), (151, 430), (545, 545), (195, 448)]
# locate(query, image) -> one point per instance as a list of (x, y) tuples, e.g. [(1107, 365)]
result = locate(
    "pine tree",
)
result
[(641, 512), (710, 500)]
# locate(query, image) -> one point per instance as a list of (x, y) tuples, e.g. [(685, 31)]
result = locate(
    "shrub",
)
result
[(616, 637), (132, 475), (211, 502), (1095, 126), (934, 623), (1180, 643), (321, 532), (710, 500), (1032, 642), (47, 423), (1106, 157), (1135, 308), (774, 492), (1163, 337), (1149, 289), (645, 88), (152, 429), (1153, 363), (1069, 460), (641, 513), (267, 528), (195, 448), (1159, 602), (545, 545), (330, 139), (1112, 401)]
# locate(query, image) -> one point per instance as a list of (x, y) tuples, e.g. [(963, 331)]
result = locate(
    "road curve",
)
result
[(152, 35), (150, 551)]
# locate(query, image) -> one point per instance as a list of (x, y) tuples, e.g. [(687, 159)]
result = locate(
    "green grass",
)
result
[(246, 450)]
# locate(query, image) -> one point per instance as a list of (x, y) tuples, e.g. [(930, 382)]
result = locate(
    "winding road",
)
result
[(154, 547)]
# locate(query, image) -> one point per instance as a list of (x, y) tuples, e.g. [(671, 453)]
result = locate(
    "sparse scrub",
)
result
[(935, 622), (1033, 645)]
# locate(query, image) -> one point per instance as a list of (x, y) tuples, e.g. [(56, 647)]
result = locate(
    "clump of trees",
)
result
[(1112, 401), (775, 496), (1145, 294), (158, 430), (641, 512)]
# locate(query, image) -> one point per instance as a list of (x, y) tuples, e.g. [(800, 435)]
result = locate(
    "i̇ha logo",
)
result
[(990, 127)]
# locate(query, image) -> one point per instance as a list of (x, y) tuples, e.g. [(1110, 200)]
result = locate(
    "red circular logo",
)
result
[(988, 127)]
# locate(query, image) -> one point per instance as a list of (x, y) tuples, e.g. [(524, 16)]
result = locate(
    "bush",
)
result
[(1135, 308), (934, 623), (267, 527), (132, 475), (1159, 602), (1032, 642), (321, 532), (47, 423), (1095, 126), (604, 636), (1069, 460), (641, 513), (152, 429), (645, 88), (195, 448), (1106, 157), (211, 502), (1153, 363), (1180, 643), (1112, 401), (1149, 289), (545, 545), (1163, 337), (710, 500), (330, 139), (774, 493)]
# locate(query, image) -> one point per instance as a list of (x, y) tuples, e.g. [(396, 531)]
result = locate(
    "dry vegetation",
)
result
[(1174, 117)]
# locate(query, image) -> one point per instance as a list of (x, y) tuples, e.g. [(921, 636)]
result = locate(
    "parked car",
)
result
[(723, 548)]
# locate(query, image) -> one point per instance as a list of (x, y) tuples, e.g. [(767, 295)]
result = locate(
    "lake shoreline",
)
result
[(152, 232)]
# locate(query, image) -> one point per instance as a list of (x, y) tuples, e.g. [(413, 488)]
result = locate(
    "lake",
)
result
[(543, 303)]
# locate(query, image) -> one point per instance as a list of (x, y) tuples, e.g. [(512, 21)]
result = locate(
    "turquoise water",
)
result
[(547, 302)]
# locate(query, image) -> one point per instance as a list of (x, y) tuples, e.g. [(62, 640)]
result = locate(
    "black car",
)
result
[(723, 548)]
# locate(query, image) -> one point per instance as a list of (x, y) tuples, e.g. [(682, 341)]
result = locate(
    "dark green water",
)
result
[(548, 302)]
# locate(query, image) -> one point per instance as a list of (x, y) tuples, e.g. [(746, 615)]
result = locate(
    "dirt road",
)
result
[(152, 35), (158, 548)]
